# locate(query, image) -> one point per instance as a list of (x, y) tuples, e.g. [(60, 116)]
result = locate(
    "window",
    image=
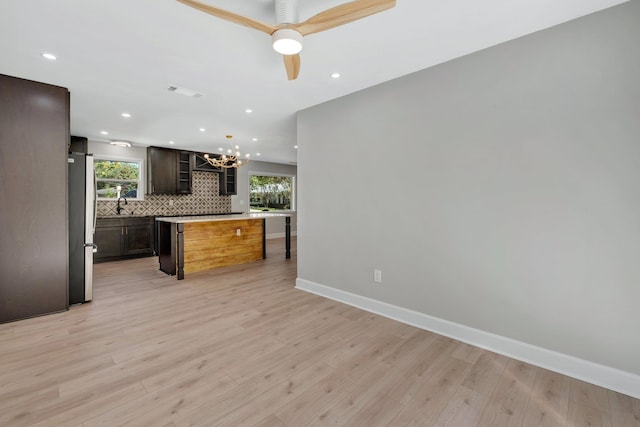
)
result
[(271, 193), (118, 177)]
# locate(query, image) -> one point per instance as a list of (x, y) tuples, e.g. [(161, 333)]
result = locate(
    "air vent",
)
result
[(185, 91)]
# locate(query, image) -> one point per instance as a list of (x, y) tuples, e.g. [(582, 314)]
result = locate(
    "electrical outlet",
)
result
[(170, 202), (377, 276), (238, 232)]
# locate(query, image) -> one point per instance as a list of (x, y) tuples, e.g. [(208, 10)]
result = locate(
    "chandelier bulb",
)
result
[(229, 160)]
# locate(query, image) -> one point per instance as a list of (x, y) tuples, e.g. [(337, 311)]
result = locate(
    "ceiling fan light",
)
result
[(287, 41), (126, 144)]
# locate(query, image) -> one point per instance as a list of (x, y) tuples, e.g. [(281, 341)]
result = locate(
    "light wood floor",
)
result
[(239, 346)]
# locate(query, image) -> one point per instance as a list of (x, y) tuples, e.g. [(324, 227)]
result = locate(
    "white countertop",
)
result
[(209, 218)]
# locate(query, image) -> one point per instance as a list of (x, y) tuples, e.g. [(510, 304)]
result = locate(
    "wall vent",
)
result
[(185, 91)]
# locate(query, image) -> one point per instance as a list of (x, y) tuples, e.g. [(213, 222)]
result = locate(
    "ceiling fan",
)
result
[(287, 34)]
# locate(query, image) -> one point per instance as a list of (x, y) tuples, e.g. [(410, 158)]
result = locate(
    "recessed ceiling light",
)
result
[(257, 154), (202, 129), (50, 56), (335, 75), (171, 142), (220, 149), (248, 110), (127, 115), (104, 132), (295, 146), (254, 139)]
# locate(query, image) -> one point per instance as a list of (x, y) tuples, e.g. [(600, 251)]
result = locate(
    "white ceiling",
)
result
[(121, 56)]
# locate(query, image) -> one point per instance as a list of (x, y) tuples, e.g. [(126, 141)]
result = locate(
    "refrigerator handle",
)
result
[(95, 204)]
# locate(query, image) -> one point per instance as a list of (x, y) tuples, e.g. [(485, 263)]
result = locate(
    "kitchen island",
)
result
[(190, 244)]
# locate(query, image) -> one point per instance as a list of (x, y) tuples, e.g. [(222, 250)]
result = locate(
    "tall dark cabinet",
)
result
[(34, 136)]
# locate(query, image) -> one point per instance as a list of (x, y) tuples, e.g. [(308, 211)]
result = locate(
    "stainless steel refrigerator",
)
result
[(82, 217)]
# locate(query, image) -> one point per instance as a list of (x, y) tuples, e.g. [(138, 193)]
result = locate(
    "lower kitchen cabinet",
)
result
[(123, 237), (108, 238)]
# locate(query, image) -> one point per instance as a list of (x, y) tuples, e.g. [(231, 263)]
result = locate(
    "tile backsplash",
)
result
[(204, 199)]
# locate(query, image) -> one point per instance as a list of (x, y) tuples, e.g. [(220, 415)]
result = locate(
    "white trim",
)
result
[(278, 235), (594, 373), (290, 175)]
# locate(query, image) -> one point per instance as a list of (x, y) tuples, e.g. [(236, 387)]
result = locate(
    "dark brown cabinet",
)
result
[(34, 137), (123, 237), (185, 164), (227, 176), (202, 164), (228, 182), (78, 144), (108, 238), (168, 171)]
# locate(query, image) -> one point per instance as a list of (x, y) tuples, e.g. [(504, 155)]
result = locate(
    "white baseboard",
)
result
[(594, 373), (277, 235)]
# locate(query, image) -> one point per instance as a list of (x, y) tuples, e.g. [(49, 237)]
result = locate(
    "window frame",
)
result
[(285, 175), (141, 168)]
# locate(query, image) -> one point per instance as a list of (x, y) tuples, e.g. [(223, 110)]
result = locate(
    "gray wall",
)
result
[(240, 202), (499, 191)]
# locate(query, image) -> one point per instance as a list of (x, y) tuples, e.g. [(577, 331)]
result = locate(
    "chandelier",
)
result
[(233, 158)]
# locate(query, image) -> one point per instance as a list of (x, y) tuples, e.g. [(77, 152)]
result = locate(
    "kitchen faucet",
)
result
[(118, 208)]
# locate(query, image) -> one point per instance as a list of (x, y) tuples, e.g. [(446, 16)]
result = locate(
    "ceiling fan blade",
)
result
[(292, 64), (342, 14), (230, 16)]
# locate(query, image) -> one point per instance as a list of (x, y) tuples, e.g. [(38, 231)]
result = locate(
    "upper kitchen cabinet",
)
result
[(227, 176), (202, 164), (228, 182), (78, 144), (168, 171), (185, 164)]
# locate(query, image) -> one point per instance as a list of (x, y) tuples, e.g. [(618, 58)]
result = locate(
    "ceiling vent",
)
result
[(185, 91)]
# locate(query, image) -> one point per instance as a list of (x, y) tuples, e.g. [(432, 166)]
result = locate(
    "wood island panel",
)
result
[(215, 244)]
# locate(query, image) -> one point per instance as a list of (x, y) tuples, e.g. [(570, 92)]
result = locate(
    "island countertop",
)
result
[(189, 244), (209, 218)]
